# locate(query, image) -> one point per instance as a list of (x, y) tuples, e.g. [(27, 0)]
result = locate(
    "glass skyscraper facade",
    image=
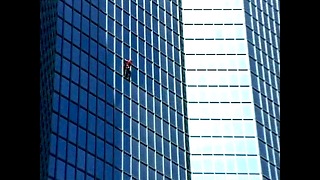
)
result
[(104, 126), (232, 76), (48, 20), (263, 37), (202, 101)]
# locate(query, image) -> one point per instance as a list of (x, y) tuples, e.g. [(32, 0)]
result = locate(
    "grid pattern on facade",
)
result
[(47, 49), (103, 126), (223, 138), (263, 32)]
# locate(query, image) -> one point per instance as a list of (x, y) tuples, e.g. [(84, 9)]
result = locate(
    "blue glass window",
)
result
[(181, 139), (159, 162), (134, 110), (109, 153), (141, 34), (100, 148), (109, 133), (164, 94), (85, 25), (62, 148), (181, 158), (176, 39), (54, 123), (76, 19), (67, 49), (118, 158), (108, 172), (155, 26), (101, 89), (91, 122), (94, 50), (169, 39), (83, 97), (91, 143), (148, 19), (75, 73), (151, 157), (167, 167), (163, 78), (102, 19), (150, 118), (119, 47), (143, 136), (174, 149), (64, 87), (118, 100), (143, 171), (100, 127), (150, 102), (60, 169), (81, 159), (90, 164), (173, 134), (135, 130), (135, 151), (135, 171), (92, 84), (110, 9), (67, 31), (126, 164), (172, 99), (154, 9), (134, 42), (142, 95), (66, 68), (177, 70), (158, 107), (111, 26), (166, 148), (75, 51), (99, 169), (94, 14), (149, 51), (151, 139), (64, 106), (143, 153), (126, 144), (133, 25), (141, 13), (159, 145), (126, 35), (70, 172), (58, 44), (161, 12), (264, 167), (110, 46), (109, 77), (109, 95), (81, 138), (84, 42), (141, 62), (118, 119), (141, 48)]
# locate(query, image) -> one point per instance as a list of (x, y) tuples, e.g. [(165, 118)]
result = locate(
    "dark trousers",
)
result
[(127, 73)]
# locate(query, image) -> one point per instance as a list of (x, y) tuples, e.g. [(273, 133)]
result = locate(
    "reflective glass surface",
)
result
[(231, 50), (103, 125)]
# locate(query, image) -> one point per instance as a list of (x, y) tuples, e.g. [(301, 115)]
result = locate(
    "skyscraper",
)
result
[(103, 125), (202, 101), (48, 20), (232, 75)]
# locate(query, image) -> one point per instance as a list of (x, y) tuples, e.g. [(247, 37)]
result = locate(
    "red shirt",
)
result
[(128, 63)]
